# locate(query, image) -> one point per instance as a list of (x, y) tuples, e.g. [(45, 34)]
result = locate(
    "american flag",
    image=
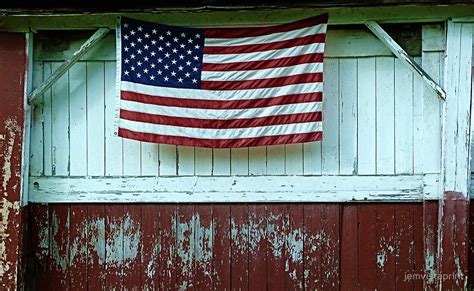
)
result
[(221, 87)]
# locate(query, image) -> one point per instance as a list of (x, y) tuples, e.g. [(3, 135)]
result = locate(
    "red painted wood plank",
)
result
[(294, 246), (59, 247), (447, 245), (404, 235), (221, 236), (460, 243), (349, 247), (330, 247), (418, 244), (78, 236), (203, 246), (132, 247), (367, 242), (386, 246), (276, 216), (471, 245), (150, 246), (430, 245), (96, 247), (114, 246), (167, 257), (257, 247), (312, 246), (39, 229), (239, 246), (185, 247)]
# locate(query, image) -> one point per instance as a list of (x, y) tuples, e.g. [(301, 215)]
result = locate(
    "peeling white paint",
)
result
[(12, 128), (6, 207)]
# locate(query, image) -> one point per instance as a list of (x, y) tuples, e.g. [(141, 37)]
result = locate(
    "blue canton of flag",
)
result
[(161, 55)]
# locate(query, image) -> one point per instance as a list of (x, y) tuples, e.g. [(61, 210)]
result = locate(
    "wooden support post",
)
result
[(95, 38), (454, 203), (400, 53)]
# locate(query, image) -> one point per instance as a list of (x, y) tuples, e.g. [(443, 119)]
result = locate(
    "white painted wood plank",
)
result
[(96, 118), (131, 156), (36, 138), (239, 161), (149, 159), (221, 162), (418, 146), (348, 116), (385, 92), (294, 159), (78, 119), (168, 160), (366, 116), (185, 160), (404, 122), (330, 143), (276, 160), (60, 124), (113, 144), (47, 126), (257, 161), (312, 155), (203, 161), (228, 189)]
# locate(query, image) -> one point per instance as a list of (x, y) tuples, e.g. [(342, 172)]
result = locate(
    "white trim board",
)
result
[(234, 189)]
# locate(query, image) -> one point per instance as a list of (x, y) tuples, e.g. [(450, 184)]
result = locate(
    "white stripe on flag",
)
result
[(232, 133)]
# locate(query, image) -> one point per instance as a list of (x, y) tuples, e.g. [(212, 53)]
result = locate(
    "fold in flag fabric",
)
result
[(221, 87)]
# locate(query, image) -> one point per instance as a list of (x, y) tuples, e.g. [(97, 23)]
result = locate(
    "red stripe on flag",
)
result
[(265, 64), (222, 143), (218, 104), (262, 83), (250, 48), (219, 123), (257, 31)]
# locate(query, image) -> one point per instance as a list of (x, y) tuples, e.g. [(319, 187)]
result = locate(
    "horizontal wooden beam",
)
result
[(400, 53), (33, 97), (233, 189)]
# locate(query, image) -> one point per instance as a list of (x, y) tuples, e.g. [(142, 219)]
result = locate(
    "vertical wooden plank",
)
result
[(132, 247), (185, 157), (276, 160), (385, 92), (330, 247), (47, 125), (330, 143), (96, 122), (203, 161), (430, 234), (367, 242), (418, 244), (113, 144), (131, 157), (312, 153), (239, 246), (221, 162), (185, 247), (257, 160), (167, 258), (239, 161), (294, 159), (60, 124), (418, 144), (276, 216), (387, 246), (221, 263), (348, 116), (40, 241), (294, 247), (150, 247), (149, 159), (257, 247), (312, 246), (366, 116), (36, 133), (168, 160), (203, 246), (404, 235), (349, 247), (59, 247), (96, 271), (114, 257), (78, 237), (78, 119), (404, 113)]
